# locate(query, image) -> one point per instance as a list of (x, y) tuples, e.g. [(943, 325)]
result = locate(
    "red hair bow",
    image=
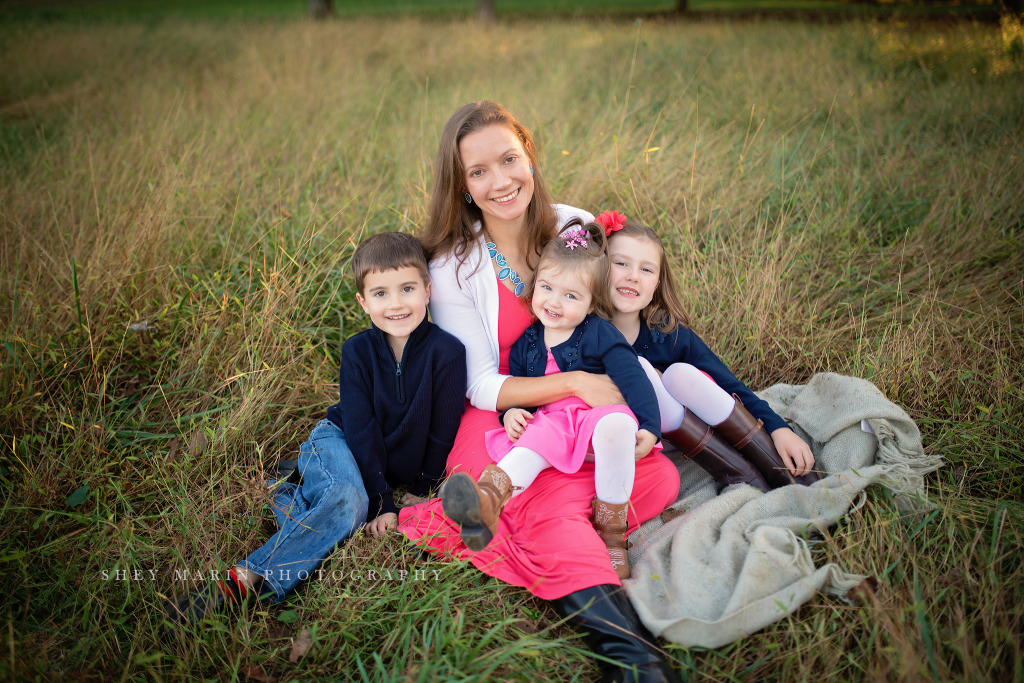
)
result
[(612, 221)]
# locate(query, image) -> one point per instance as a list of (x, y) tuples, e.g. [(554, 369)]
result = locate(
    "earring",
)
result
[(469, 198), (531, 170)]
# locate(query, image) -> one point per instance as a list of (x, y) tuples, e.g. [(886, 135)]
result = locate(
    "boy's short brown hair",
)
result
[(388, 251)]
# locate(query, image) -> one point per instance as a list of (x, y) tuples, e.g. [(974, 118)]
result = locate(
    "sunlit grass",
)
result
[(178, 204)]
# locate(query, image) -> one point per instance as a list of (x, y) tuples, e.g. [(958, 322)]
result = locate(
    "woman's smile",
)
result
[(507, 198)]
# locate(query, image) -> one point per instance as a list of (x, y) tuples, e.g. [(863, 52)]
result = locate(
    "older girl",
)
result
[(490, 216), (747, 441)]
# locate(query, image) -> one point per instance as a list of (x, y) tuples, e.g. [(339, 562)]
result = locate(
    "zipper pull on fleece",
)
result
[(399, 385)]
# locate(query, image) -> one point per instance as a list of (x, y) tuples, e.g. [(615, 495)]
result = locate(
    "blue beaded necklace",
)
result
[(505, 271)]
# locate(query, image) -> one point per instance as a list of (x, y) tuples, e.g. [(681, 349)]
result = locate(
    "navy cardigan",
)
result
[(595, 346), (400, 419), (684, 346)]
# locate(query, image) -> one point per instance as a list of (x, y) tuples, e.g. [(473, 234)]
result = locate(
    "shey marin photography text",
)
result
[(375, 574)]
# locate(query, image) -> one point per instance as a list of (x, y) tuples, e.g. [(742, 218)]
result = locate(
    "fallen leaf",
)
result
[(198, 444), (256, 673), (279, 631), (668, 515), (528, 626), (866, 590), (172, 450), (300, 646), (131, 386), (78, 497)]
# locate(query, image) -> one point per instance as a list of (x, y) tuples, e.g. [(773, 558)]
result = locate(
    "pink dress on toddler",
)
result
[(560, 431)]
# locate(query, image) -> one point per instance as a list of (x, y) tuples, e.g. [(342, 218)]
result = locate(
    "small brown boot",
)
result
[(697, 441), (748, 436), (610, 523), (476, 506)]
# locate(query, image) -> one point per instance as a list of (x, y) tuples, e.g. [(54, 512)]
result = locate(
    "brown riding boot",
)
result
[(699, 442), (610, 523), (476, 506), (748, 436)]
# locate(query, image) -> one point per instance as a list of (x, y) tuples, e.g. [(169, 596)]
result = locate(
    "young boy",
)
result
[(402, 390)]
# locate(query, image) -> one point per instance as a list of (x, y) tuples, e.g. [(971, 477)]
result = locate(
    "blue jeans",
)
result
[(312, 518)]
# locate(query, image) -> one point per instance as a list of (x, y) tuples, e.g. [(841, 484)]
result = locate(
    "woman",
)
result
[(490, 215)]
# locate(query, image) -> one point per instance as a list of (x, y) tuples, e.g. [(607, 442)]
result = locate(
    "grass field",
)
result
[(178, 205), (87, 11)]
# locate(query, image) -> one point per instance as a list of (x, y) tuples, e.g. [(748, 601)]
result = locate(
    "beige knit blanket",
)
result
[(737, 561)]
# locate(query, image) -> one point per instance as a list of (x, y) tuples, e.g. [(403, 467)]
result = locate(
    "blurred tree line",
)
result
[(320, 9)]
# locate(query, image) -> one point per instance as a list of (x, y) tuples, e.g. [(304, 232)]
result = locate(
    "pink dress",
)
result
[(560, 431), (546, 541)]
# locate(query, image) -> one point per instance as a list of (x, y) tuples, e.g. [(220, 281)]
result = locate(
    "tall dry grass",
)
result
[(179, 203)]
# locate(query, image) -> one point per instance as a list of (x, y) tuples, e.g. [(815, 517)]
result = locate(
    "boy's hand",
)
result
[(409, 499), (378, 526), (645, 441), (515, 422)]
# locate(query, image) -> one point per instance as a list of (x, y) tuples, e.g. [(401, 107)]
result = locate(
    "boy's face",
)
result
[(395, 300)]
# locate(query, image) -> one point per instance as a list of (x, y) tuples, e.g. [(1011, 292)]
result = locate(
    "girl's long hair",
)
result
[(450, 224), (665, 312), (590, 261)]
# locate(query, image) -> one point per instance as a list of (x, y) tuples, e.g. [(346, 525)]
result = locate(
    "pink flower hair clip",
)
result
[(612, 221), (575, 239)]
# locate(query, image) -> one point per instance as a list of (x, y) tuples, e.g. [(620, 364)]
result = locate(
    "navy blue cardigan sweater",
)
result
[(400, 419), (595, 346), (684, 346)]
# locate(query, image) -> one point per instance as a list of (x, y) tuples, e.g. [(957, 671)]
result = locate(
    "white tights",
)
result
[(614, 443), (681, 387)]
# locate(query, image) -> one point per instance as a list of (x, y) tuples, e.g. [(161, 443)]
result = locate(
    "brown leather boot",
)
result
[(610, 523), (476, 506), (699, 442), (748, 436)]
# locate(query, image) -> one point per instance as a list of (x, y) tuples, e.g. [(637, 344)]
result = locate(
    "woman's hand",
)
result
[(409, 499), (795, 452), (595, 390), (378, 526), (645, 441), (515, 422)]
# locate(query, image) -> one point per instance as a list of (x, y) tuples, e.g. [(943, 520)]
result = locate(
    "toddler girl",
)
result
[(569, 296), (747, 441)]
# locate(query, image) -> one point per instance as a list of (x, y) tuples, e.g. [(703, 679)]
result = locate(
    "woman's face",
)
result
[(561, 300), (497, 173), (635, 268)]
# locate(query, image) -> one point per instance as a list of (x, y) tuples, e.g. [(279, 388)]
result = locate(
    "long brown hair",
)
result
[(591, 260), (450, 224), (665, 312)]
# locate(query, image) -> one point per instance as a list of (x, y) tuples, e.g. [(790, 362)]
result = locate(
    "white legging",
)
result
[(614, 444), (682, 387)]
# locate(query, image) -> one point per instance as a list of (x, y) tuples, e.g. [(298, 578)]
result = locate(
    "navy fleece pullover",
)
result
[(400, 418)]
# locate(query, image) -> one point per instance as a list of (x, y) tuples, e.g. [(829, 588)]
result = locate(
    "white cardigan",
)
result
[(467, 307)]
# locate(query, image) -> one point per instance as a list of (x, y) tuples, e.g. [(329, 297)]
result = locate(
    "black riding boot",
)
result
[(614, 630)]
